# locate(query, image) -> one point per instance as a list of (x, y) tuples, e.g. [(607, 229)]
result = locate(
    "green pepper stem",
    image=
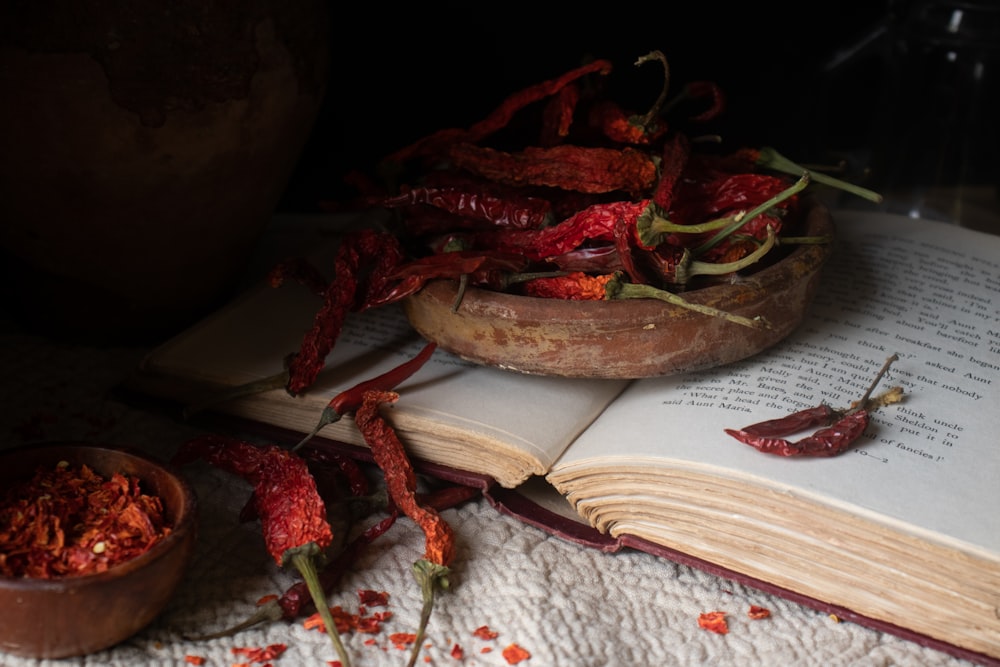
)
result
[(617, 289), (429, 575), (685, 270), (327, 417), (741, 220), (772, 159), (303, 562)]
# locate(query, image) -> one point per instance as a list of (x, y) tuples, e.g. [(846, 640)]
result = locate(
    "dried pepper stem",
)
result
[(350, 400), (742, 219), (770, 158), (304, 562), (618, 289)]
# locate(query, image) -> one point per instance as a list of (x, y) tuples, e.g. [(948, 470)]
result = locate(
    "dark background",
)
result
[(402, 72)]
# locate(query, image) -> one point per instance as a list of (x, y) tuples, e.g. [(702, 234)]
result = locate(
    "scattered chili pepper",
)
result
[(69, 521), (828, 441), (432, 570), (715, 621), (292, 513), (757, 613), (350, 400), (592, 169), (194, 660)]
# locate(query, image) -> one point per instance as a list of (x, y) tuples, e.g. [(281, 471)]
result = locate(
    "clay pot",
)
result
[(145, 148)]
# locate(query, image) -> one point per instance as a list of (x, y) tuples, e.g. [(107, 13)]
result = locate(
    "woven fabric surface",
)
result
[(564, 604)]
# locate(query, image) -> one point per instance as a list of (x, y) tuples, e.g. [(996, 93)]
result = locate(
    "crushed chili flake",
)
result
[(194, 660), (714, 621), (70, 521), (402, 639), (373, 598), (261, 654), (484, 632), (457, 652), (755, 612), (486, 649), (267, 598), (514, 654)]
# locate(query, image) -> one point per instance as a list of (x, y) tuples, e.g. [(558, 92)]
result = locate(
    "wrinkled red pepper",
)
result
[(291, 511)]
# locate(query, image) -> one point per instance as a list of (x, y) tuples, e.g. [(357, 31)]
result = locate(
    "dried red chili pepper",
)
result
[(70, 521), (592, 169), (364, 260), (297, 601), (557, 117), (413, 275), (624, 128), (292, 513), (433, 569), (518, 212), (828, 441), (676, 151), (595, 223), (576, 286), (500, 117), (350, 400), (300, 270)]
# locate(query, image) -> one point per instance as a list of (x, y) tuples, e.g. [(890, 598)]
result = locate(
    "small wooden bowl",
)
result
[(72, 616), (624, 339)]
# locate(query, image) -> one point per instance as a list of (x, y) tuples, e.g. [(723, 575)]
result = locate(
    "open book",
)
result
[(902, 531)]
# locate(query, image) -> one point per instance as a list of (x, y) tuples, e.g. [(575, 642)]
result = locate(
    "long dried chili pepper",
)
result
[(351, 399), (500, 116), (413, 275), (575, 286), (354, 282), (517, 212), (593, 169), (827, 441), (291, 511), (296, 600), (433, 569), (595, 223), (624, 128)]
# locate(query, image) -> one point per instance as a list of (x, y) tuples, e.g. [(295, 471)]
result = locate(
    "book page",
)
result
[(454, 412), (928, 292)]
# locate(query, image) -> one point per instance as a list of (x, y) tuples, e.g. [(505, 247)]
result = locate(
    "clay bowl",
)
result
[(72, 616), (628, 339)]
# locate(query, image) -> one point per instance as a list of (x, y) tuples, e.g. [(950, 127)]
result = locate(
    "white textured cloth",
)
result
[(565, 604)]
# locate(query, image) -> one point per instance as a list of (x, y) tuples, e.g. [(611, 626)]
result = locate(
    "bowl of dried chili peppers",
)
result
[(561, 333), (94, 540), (564, 234)]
